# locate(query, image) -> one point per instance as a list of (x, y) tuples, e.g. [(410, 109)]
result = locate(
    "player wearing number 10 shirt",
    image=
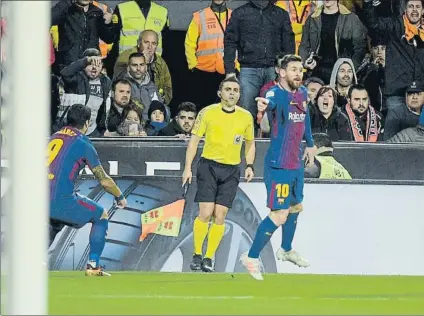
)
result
[(69, 151), (286, 103)]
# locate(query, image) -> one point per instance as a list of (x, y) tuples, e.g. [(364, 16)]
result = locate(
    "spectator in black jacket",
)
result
[(410, 135), (405, 48), (85, 84), (183, 122), (121, 99), (366, 123), (371, 72), (407, 115), (80, 25), (327, 118), (257, 31), (330, 33)]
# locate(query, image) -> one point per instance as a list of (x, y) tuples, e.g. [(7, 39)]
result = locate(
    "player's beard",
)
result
[(294, 85)]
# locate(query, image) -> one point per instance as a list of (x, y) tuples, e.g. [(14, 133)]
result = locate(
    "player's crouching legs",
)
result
[(98, 235)]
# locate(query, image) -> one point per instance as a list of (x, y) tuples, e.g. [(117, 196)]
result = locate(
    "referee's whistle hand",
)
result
[(187, 175), (262, 104)]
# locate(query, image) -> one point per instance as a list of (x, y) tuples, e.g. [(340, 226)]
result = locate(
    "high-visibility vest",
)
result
[(133, 23), (210, 45), (299, 12), (104, 47), (332, 169)]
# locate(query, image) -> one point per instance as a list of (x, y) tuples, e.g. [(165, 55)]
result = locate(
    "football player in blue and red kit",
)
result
[(284, 164), (69, 151)]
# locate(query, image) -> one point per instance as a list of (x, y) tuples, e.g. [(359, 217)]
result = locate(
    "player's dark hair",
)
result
[(322, 140), (278, 59), (122, 81), (286, 59), (359, 87), (78, 115), (135, 55), (229, 79), (314, 80), (325, 89)]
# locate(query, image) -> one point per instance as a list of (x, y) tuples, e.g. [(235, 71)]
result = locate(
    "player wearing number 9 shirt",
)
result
[(69, 151), (286, 103)]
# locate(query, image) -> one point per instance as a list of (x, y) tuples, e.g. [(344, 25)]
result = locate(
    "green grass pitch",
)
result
[(219, 294)]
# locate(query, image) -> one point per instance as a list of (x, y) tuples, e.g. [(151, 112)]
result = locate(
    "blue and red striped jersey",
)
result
[(290, 124), (69, 151)]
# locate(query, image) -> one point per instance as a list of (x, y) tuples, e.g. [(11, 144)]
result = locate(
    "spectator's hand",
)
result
[(187, 176), (95, 60), (248, 174), (310, 63), (107, 17), (231, 74), (143, 133), (309, 156), (262, 104)]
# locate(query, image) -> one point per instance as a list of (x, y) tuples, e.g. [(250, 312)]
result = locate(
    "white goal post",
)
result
[(27, 130)]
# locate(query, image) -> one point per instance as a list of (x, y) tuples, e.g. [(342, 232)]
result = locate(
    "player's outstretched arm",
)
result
[(109, 185), (190, 155)]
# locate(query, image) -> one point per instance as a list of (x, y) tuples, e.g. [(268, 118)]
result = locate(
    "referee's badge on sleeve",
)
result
[(238, 139)]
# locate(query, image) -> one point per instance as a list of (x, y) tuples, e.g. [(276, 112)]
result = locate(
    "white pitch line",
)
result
[(171, 297), (198, 297)]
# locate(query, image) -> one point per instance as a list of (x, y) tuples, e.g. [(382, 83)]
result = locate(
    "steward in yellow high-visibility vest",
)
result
[(204, 50), (133, 17), (326, 166), (299, 12)]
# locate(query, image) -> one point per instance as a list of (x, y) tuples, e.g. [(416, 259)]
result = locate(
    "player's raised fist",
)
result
[(262, 104)]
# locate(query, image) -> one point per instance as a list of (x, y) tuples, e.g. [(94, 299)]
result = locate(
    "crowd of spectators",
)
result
[(363, 60)]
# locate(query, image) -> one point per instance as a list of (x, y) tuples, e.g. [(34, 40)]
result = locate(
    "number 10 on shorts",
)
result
[(283, 190)]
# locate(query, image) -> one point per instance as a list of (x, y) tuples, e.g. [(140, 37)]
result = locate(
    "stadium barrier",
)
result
[(348, 227)]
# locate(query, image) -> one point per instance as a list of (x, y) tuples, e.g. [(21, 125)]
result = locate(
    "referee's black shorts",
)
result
[(216, 182)]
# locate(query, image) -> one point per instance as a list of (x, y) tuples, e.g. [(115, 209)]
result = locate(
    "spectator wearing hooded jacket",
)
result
[(407, 115), (327, 118), (143, 90), (405, 47), (342, 78), (330, 33), (85, 84)]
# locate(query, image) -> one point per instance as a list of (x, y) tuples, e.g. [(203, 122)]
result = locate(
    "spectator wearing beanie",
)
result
[(157, 118)]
